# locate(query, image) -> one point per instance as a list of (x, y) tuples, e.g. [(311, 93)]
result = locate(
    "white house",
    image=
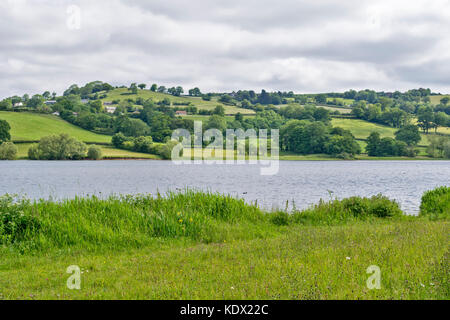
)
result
[(110, 109), (18, 104)]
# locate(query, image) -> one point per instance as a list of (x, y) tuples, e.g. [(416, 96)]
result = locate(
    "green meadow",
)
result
[(195, 245), (123, 94), (32, 127)]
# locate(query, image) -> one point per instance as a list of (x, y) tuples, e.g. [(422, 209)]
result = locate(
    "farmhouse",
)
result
[(110, 109), (181, 113)]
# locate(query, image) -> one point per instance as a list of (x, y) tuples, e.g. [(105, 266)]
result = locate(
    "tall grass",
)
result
[(346, 210), (122, 222), (436, 203)]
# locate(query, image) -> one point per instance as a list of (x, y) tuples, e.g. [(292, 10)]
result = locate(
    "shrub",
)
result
[(8, 151), (354, 208), (33, 152), (14, 223), (280, 218), (94, 153), (436, 203)]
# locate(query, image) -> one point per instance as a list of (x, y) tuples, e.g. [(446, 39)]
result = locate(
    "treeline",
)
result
[(428, 117)]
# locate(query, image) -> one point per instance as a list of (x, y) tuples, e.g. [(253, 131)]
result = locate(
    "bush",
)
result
[(33, 152), (280, 218), (436, 203), (14, 223), (8, 151), (354, 208), (94, 153)]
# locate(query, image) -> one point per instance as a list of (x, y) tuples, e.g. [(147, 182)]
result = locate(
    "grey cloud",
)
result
[(305, 46)]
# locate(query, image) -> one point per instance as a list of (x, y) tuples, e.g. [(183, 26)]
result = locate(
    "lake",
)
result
[(302, 182)]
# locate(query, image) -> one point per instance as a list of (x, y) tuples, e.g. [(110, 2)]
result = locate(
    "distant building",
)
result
[(181, 113), (56, 113), (107, 103), (75, 113), (50, 102), (18, 105), (84, 101), (110, 109)]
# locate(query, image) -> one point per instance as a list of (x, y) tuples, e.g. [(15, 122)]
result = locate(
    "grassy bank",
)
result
[(196, 245)]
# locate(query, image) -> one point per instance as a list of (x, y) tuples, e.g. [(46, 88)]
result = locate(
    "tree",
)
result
[(409, 134), (447, 149), (440, 120), (132, 127), (6, 104), (425, 118), (94, 153), (143, 144), (195, 92), (62, 147), (219, 110), (142, 86), (154, 87), (96, 105), (373, 144), (36, 101), (4, 131), (179, 91), (162, 89), (321, 98), (216, 122), (437, 146), (445, 100), (8, 151), (118, 140), (239, 117), (133, 88)]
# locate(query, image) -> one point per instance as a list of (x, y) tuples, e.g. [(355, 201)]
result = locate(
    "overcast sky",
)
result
[(303, 46)]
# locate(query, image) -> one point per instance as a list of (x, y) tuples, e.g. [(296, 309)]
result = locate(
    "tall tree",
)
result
[(4, 131)]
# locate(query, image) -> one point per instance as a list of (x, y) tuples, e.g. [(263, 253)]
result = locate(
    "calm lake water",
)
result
[(304, 182)]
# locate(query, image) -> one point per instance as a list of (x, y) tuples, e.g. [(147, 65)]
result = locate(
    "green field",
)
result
[(361, 129), (32, 127), (437, 99), (123, 94), (200, 246)]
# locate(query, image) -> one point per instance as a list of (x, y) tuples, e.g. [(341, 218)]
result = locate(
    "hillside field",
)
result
[(437, 99), (33, 127), (123, 94)]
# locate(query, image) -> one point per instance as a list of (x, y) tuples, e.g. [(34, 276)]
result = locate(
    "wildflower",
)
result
[(180, 221), (190, 220)]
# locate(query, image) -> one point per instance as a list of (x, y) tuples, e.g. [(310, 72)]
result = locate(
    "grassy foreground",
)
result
[(198, 245)]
